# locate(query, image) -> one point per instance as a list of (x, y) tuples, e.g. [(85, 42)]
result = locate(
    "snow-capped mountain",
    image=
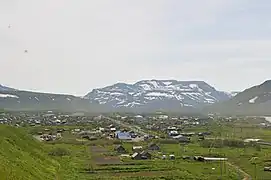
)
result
[(158, 94)]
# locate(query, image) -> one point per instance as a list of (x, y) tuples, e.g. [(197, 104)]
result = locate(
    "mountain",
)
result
[(27, 100), (253, 101), (158, 94)]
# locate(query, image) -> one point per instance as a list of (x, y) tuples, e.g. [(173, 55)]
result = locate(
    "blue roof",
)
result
[(123, 135)]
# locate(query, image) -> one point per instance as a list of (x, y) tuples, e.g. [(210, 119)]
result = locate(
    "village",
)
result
[(128, 139)]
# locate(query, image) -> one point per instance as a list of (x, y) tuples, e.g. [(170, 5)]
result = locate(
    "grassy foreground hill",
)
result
[(23, 158)]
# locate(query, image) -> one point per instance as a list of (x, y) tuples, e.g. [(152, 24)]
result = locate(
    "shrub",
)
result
[(222, 143)]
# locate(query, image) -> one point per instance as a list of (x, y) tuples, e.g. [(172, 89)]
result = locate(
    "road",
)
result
[(125, 125)]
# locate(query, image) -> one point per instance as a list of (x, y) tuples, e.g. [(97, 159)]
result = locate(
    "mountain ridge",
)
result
[(255, 100), (157, 94)]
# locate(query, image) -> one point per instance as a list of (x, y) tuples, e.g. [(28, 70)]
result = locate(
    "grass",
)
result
[(22, 157)]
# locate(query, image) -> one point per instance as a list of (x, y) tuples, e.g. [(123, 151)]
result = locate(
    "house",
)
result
[(200, 158), (137, 148), (141, 155), (136, 156), (184, 139), (188, 134), (172, 128), (173, 133), (120, 149), (171, 156), (145, 155), (113, 129), (123, 136), (214, 159), (153, 147), (251, 140), (163, 117)]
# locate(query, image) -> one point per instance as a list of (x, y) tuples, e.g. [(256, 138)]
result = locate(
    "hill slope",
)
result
[(23, 158), (26, 100), (253, 101), (158, 94)]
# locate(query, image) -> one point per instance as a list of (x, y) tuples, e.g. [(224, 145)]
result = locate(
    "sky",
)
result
[(76, 46)]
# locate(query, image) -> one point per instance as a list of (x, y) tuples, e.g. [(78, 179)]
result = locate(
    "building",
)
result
[(145, 155), (137, 148), (173, 133), (171, 156), (120, 149), (153, 147), (123, 136), (136, 156)]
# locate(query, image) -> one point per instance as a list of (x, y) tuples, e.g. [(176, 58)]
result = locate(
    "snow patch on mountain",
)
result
[(8, 96), (253, 100)]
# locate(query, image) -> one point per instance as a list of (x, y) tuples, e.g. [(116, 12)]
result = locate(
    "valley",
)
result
[(93, 146)]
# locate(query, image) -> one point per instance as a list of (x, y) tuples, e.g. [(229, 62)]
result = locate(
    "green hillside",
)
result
[(22, 157)]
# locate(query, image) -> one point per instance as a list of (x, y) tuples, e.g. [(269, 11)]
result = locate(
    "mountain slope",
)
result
[(253, 101), (4, 88), (157, 94), (23, 158), (26, 100)]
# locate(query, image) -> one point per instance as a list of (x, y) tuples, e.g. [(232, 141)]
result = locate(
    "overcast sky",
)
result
[(77, 45)]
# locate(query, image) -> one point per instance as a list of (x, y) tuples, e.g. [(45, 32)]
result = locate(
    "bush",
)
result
[(168, 141), (222, 143), (59, 152)]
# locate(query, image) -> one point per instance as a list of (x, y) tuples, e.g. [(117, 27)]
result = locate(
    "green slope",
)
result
[(22, 157)]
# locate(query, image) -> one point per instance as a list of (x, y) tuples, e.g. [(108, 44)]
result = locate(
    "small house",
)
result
[(153, 147), (137, 148), (171, 156), (173, 133), (113, 129), (136, 156), (120, 149), (145, 155)]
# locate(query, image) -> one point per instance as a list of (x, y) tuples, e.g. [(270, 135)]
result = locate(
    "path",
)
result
[(246, 175)]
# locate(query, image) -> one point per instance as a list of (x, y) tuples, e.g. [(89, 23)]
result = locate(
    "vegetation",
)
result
[(59, 152), (22, 157)]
